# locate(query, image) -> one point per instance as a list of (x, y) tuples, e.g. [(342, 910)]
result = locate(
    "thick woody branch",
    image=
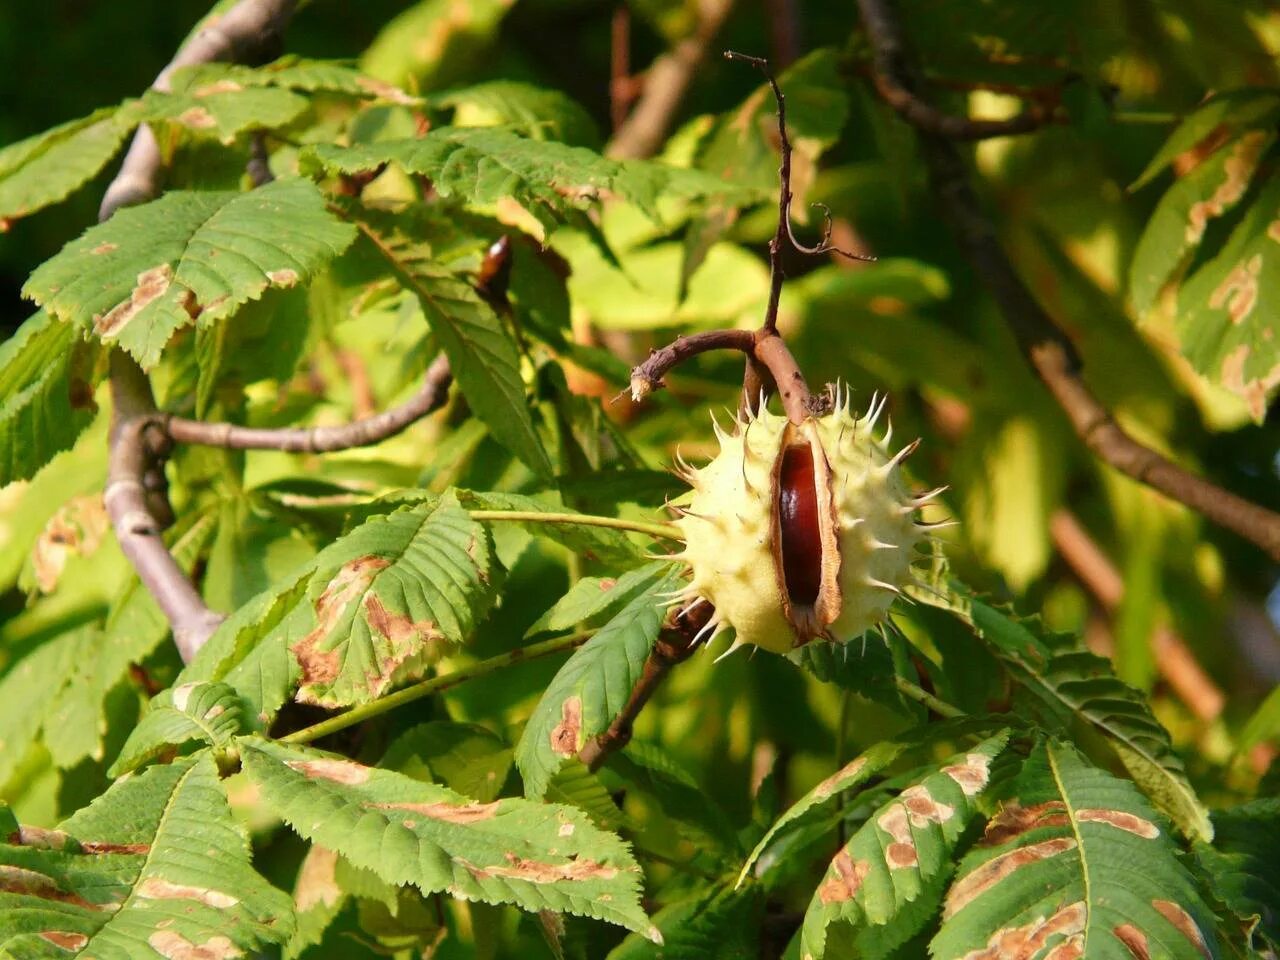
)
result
[(1047, 348), (138, 446), (665, 84), (674, 644), (243, 29), (898, 84), (1174, 660), (359, 433)]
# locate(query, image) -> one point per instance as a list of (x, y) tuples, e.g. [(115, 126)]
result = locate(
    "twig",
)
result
[(784, 31), (1174, 660), (784, 231), (621, 84), (361, 432), (899, 85), (674, 644), (259, 168), (665, 84), (664, 531), (137, 445), (435, 685), (1045, 345), (922, 696)]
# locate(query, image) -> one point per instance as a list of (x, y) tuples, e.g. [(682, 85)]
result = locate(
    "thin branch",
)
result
[(674, 645), (1045, 345), (665, 84), (434, 685), (664, 531), (1173, 658), (899, 85), (922, 696), (784, 232), (648, 376), (622, 85), (361, 432), (137, 445)]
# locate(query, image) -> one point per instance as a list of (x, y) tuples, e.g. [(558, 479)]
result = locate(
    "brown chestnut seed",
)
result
[(798, 531)]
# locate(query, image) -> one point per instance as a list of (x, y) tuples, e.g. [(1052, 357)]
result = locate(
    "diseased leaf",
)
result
[(47, 376), (433, 40), (46, 168), (290, 73), (890, 873), (1228, 311), (464, 757), (592, 686), (223, 109), (482, 353), (209, 712), (537, 856), (484, 165), (156, 867), (1227, 113), (1178, 224), (154, 268), (1076, 864), (1243, 865), (1068, 683)]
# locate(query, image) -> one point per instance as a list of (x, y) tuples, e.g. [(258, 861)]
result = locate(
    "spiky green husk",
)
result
[(728, 528)]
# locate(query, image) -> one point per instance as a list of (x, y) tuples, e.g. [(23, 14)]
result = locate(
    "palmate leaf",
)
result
[(537, 856), (484, 165), (374, 608), (882, 887), (482, 353), (46, 168), (1075, 865), (1070, 683), (532, 111), (1228, 311), (154, 268), (593, 685), (212, 713), (157, 866), (47, 373), (1243, 864)]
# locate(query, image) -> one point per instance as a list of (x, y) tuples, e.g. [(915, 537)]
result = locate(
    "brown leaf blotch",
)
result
[(77, 529), (848, 772), (151, 285), (564, 738), (1134, 940), (922, 808), (535, 871), (1121, 820), (65, 939), (1237, 171), (225, 85), (1238, 291), (1029, 940), (978, 881), (971, 775), (1014, 820), (317, 880), (462, 813), (30, 883), (40, 837), (174, 946), (157, 888), (104, 248), (197, 118), (901, 856), (346, 772), (1071, 948), (844, 878), (1254, 389), (1185, 924), (351, 582), (283, 278)]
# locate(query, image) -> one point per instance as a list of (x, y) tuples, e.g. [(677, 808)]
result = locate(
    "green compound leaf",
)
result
[(156, 866), (1243, 865), (883, 886), (1076, 864), (482, 353), (154, 268), (1228, 310), (44, 169), (1072, 684), (591, 597), (209, 712), (535, 112), (593, 685), (537, 856), (46, 394), (223, 108), (483, 165)]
